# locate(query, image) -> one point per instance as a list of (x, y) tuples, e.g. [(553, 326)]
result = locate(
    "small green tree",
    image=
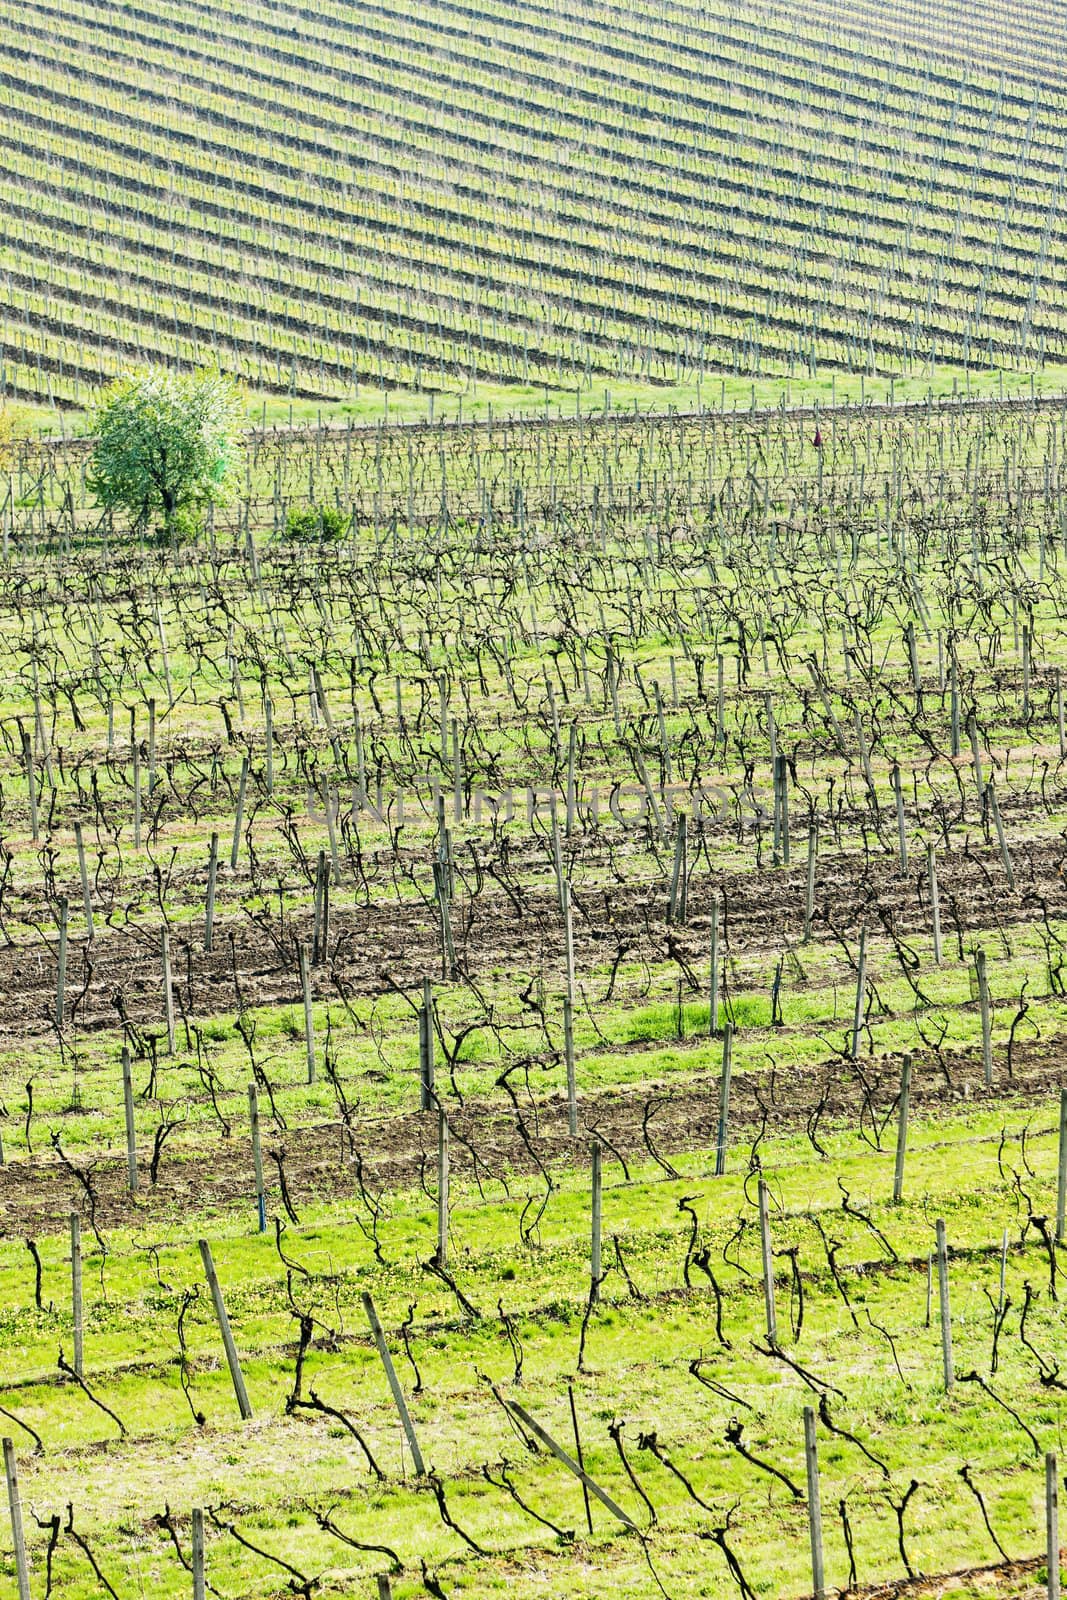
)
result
[(164, 444)]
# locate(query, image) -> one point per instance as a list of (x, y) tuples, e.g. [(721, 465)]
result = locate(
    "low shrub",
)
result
[(315, 524)]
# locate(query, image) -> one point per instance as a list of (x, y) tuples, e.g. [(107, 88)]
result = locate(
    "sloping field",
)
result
[(402, 193), (783, 734)]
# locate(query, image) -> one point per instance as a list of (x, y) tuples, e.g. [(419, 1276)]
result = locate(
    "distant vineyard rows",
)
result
[(403, 196)]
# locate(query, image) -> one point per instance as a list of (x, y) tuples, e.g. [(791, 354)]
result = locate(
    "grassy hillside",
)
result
[(404, 195), (645, 619)]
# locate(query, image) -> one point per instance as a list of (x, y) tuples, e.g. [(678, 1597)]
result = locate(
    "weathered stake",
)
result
[(321, 902), (212, 883), (943, 1299), (131, 1128), (1005, 856), (136, 795), (199, 1586), (151, 748), (724, 1099), (569, 1462), (568, 1009), (713, 1019), (935, 900), (809, 887), (61, 964), (83, 871), (781, 777), (768, 1267), (408, 1426), (902, 1129), (257, 1156), (811, 1462), (31, 782), (902, 833), (596, 1215), (1052, 1525), (168, 992), (572, 1077), (232, 1360), (22, 1569), (268, 741), (76, 1292), (983, 1003), (678, 904), (976, 757), (571, 791), (1061, 1186), (426, 1053), (442, 1187), (309, 1020), (861, 995), (235, 848), (441, 871), (457, 774)]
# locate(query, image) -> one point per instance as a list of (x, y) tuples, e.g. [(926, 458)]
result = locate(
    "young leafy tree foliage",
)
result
[(14, 424), (164, 445)]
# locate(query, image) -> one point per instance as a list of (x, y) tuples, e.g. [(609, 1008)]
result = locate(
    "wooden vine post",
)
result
[(309, 1017), (902, 1129), (984, 1012), (713, 1015), (860, 1012), (569, 1462), (724, 1099), (212, 885), (257, 1156), (811, 1463), (596, 1215), (18, 1537), (568, 1013), (1052, 1525), (378, 1335), (442, 1186), (131, 1126), (232, 1358), (77, 1307), (426, 1049), (199, 1576), (61, 963), (767, 1257), (809, 884), (935, 900), (168, 992), (945, 1307)]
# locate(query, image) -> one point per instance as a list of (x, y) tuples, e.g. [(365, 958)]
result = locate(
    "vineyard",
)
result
[(533, 1035), (417, 197)]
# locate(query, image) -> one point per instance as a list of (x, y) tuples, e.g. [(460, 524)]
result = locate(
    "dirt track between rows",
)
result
[(253, 961), (654, 1122)]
